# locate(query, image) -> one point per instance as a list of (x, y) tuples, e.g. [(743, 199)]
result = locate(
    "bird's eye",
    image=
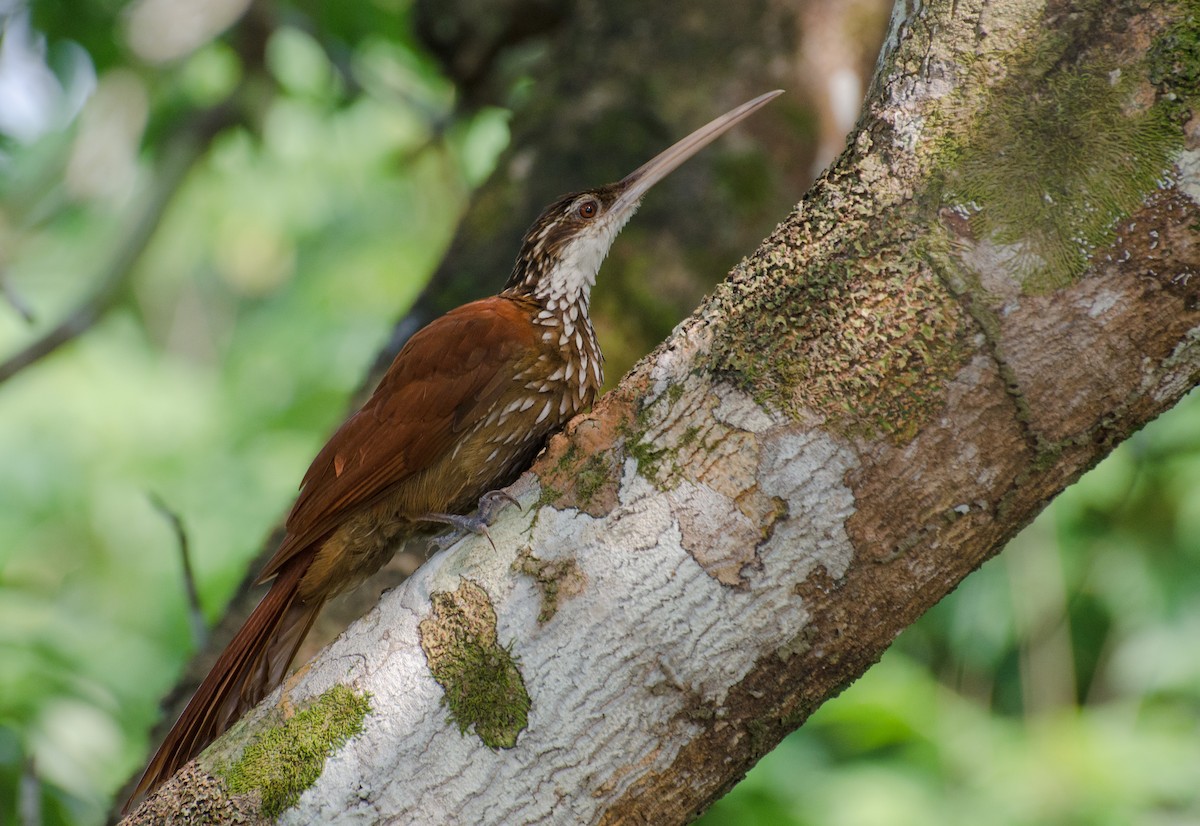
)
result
[(587, 209)]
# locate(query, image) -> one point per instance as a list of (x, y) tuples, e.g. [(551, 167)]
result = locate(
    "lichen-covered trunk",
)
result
[(996, 283)]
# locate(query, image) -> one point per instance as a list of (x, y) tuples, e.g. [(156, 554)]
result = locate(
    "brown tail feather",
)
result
[(253, 663)]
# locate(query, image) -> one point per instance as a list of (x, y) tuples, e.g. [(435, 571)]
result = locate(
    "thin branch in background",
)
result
[(183, 149), (14, 298), (195, 612), (29, 795)]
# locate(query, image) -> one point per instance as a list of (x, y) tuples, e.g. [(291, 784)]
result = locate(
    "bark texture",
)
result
[(996, 283)]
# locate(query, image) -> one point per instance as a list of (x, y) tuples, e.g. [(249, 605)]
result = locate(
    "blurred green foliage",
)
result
[(1059, 685)]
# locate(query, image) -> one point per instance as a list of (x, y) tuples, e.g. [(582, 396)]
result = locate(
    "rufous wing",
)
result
[(446, 376)]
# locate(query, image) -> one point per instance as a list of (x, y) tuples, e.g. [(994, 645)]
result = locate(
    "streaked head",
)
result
[(562, 252)]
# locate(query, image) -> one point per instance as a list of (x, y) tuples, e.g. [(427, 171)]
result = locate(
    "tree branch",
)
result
[(195, 610), (179, 153), (15, 299)]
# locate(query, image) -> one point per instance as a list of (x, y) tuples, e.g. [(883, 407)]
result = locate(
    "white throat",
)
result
[(571, 280)]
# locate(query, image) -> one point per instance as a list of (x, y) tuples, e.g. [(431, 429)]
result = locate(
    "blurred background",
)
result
[(212, 216)]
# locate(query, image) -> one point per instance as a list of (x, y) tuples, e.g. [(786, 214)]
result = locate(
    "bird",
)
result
[(462, 411)]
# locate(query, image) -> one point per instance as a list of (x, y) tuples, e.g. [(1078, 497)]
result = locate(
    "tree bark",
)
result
[(995, 284)]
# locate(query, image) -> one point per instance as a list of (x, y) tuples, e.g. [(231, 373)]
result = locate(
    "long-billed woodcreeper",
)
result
[(465, 407)]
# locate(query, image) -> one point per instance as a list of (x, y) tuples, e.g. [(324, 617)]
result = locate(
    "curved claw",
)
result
[(490, 505), (492, 502)]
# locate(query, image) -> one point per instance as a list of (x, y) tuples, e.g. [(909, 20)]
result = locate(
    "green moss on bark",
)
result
[(866, 339), (1073, 139), (557, 579), (484, 689), (286, 759), (1173, 63), (1054, 161)]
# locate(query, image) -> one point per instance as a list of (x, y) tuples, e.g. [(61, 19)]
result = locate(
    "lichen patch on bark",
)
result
[(557, 579), (193, 797), (865, 340), (484, 689), (1074, 135)]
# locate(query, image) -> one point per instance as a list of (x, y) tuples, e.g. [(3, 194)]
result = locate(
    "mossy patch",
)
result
[(483, 687), (655, 462), (557, 579), (577, 479), (550, 496), (592, 477), (1073, 139), (868, 339), (690, 434), (1173, 62), (588, 476), (286, 759), (649, 457)]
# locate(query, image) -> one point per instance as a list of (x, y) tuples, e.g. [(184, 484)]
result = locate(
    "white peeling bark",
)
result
[(649, 637)]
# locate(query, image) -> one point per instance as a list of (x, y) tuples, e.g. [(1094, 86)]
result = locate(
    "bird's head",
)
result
[(562, 252)]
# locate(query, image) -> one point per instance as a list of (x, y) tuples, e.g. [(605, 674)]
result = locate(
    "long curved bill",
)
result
[(636, 183)]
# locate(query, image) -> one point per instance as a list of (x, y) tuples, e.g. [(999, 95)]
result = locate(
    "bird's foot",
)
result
[(490, 505), (494, 501)]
